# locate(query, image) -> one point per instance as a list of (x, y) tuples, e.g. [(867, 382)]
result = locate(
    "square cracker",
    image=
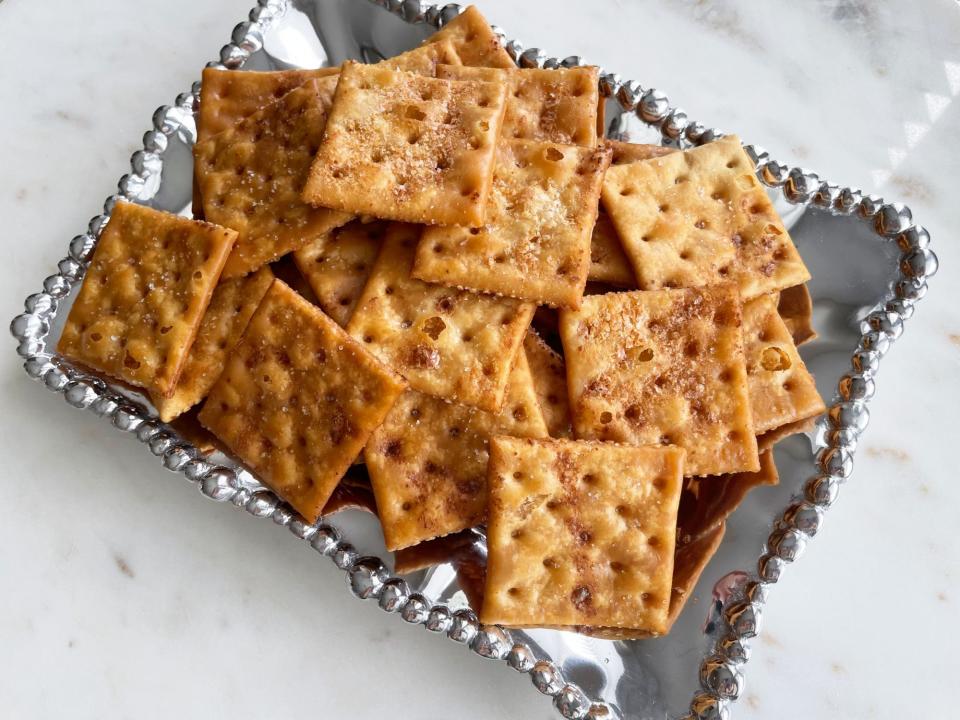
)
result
[(251, 175), (554, 105), (608, 261), (535, 241), (663, 366), (772, 437), (231, 307), (298, 399), (338, 264), (796, 308), (401, 146), (782, 391), (580, 533), (474, 41), (699, 217), (550, 383), (450, 343), (144, 295), (424, 60), (428, 461)]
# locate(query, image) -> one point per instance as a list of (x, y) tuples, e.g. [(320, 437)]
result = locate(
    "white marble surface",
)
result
[(122, 594)]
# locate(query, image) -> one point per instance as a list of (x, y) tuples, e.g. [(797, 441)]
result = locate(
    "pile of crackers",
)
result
[(431, 288)]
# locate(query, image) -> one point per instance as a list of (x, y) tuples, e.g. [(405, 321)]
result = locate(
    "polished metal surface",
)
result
[(870, 263)]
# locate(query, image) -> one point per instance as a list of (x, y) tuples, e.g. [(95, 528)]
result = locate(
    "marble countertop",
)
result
[(123, 595)]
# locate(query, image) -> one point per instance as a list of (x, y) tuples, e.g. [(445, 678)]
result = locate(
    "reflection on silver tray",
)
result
[(870, 263)]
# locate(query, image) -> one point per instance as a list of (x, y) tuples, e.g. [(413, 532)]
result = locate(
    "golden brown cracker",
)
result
[(700, 217), (298, 399), (708, 502), (628, 152), (144, 295), (772, 437), (251, 176), (474, 41), (796, 308), (428, 460), (781, 389), (450, 343), (608, 262), (231, 307), (424, 60), (338, 264), (663, 366), (535, 242), (550, 383), (580, 533), (404, 147), (557, 105)]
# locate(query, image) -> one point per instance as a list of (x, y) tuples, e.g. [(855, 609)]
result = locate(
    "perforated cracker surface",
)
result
[(553, 105), (231, 307), (298, 399), (580, 533), (663, 366), (424, 59), (338, 264), (251, 176), (535, 241), (428, 459), (404, 147), (550, 383), (699, 217), (144, 294), (782, 391), (454, 344), (473, 40)]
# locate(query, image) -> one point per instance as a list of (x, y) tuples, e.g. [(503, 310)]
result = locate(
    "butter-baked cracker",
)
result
[(428, 460), (404, 147), (535, 241), (550, 384), (552, 105), (796, 309), (580, 533), (663, 366), (781, 389), (707, 502), (424, 59), (699, 217), (144, 295), (298, 399), (772, 437), (608, 262), (474, 41), (450, 343), (231, 307), (251, 176), (338, 264), (228, 96)]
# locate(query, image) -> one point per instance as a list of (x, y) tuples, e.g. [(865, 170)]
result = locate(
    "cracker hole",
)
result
[(320, 356), (338, 173), (445, 303), (551, 563), (691, 349), (516, 534), (725, 375), (413, 138), (519, 413), (774, 359), (517, 93), (368, 338), (454, 431), (788, 386), (606, 417), (488, 370), (407, 506), (581, 597), (622, 510), (484, 125), (680, 179), (552, 154), (666, 439), (197, 275), (477, 142), (626, 191), (616, 567), (415, 413), (513, 592), (552, 505), (732, 164), (474, 231), (96, 337), (165, 329), (484, 101), (664, 208), (517, 475), (414, 113), (701, 224), (499, 258), (653, 541), (376, 156), (724, 271), (468, 192), (344, 301), (684, 255), (438, 248), (467, 337), (633, 412), (589, 479)]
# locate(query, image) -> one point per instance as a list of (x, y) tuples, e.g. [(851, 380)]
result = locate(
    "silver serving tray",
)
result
[(870, 263)]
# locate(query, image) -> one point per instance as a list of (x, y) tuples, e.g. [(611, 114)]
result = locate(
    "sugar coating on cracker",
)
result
[(428, 459), (550, 383), (474, 40), (700, 217), (298, 399), (338, 264), (231, 306), (535, 241), (781, 389), (451, 343), (580, 533), (144, 295), (663, 366), (796, 308), (404, 147), (557, 105), (251, 176)]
